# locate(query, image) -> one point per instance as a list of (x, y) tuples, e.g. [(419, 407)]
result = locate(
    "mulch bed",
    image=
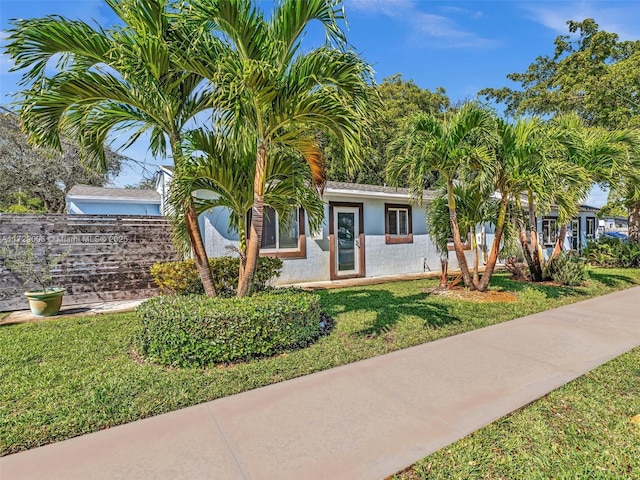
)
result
[(459, 293)]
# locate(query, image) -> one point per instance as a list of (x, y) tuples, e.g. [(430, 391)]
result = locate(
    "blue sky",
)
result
[(463, 46)]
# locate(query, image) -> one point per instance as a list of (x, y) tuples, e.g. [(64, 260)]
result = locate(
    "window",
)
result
[(549, 232), (591, 227), (398, 226), (282, 239), (276, 235)]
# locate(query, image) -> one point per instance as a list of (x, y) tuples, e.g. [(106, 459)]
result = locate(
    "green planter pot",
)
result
[(45, 304)]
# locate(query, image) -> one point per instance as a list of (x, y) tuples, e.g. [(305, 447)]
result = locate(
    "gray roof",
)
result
[(589, 208), (115, 193), (360, 187)]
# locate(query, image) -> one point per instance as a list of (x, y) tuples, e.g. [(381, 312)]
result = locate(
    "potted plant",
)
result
[(44, 300)]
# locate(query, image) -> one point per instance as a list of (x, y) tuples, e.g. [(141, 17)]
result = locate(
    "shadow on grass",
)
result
[(549, 291), (612, 280), (384, 307)]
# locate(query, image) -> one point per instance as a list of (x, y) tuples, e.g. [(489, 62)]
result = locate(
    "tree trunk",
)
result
[(476, 259), (535, 268), (242, 252), (562, 235), (444, 272), (457, 243), (634, 223), (199, 252), (495, 248), (193, 229), (528, 256), (257, 218)]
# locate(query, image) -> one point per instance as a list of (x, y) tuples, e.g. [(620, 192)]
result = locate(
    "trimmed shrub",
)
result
[(613, 253), (182, 277), (569, 270), (194, 330)]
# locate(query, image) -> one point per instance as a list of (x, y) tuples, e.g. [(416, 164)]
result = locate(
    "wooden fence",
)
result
[(107, 256)]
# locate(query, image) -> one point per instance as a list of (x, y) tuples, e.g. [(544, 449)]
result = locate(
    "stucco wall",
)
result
[(380, 258), (112, 208)]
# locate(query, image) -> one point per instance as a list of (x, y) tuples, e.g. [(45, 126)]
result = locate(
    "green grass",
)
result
[(65, 377), (581, 430)]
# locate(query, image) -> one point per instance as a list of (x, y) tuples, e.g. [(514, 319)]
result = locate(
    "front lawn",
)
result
[(65, 377), (581, 430)]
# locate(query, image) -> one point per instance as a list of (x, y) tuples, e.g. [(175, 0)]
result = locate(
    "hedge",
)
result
[(182, 277), (194, 330)]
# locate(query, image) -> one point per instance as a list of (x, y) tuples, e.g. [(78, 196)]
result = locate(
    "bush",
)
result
[(196, 331), (182, 278), (568, 269), (613, 253)]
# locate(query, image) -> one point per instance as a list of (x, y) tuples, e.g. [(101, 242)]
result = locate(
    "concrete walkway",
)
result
[(23, 316), (366, 420)]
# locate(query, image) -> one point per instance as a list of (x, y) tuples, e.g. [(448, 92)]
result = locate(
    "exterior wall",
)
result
[(380, 258), (582, 233), (129, 207), (163, 183)]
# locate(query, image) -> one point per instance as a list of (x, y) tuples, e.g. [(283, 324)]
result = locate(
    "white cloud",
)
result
[(391, 8), (440, 30), (623, 20)]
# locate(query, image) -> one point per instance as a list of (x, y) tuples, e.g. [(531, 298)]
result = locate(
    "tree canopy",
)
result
[(399, 100), (591, 72), (38, 179)]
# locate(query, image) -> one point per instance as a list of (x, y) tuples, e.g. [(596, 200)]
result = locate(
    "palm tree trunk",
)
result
[(199, 252), (562, 235), (634, 223), (483, 286), (257, 218), (529, 254), (476, 258), (457, 243), (193, 229), (242, 252), (444, 272), (535, 268)]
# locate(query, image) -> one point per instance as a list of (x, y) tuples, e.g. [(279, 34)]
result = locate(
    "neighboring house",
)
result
[(614, 224), (85, 199), (581, 230)]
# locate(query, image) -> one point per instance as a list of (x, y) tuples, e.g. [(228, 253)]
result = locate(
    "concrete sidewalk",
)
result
[(366, 420)]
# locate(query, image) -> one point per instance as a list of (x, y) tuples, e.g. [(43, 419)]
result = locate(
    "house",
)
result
[(368, 231), (581, 230), (615, 224), (86, 199)]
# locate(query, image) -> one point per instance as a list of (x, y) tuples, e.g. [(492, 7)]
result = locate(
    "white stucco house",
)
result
[(89, 200), (581, 230), (368, 231)]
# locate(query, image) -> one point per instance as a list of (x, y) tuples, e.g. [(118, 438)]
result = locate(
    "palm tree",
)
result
[(272, 94), (475, 206), (114, 81), (440, 232), (510, 172), (443, 146), (220, 175), (589, 155)]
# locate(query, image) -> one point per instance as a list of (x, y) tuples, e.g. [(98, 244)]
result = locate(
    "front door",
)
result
[(575, 234), (347, 241)]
